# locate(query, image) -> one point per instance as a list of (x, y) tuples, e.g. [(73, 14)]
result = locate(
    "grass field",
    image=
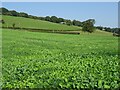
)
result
[(48, 60), (35, 24)]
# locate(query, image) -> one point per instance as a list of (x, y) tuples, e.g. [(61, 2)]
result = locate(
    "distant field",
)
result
[(48, 60), (35, 24), (97, 33)]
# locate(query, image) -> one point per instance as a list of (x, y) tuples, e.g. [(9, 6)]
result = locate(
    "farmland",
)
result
[(48, 60), (22, 22)]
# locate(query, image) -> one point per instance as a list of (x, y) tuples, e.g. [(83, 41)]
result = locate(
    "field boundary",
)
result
[(45, 30)]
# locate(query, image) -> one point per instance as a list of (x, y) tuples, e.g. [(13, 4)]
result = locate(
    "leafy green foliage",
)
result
[(88, 26), (77, 23), (22, 14), (44, 60), (2, 21), (13, 25)]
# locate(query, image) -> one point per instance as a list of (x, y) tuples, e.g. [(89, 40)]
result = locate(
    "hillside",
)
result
[(22, 22)]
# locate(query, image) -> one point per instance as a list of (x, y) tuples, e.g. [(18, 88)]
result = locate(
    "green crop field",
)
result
[(35, 24), (48, 60)]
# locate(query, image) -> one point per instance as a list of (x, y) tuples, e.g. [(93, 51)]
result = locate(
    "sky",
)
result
[(105, 13)]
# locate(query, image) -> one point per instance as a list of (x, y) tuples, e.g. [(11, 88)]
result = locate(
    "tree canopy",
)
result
[(88, 26)]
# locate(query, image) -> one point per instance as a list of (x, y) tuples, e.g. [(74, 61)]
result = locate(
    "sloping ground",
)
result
[(22, 22)]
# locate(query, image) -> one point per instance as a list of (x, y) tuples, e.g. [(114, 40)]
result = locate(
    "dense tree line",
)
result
[(108, 29)]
